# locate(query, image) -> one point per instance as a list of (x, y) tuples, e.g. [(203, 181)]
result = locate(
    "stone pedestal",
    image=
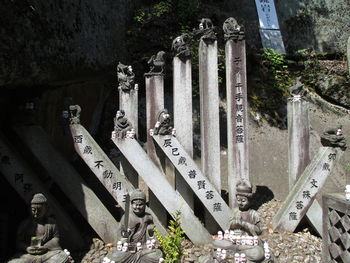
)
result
[(209, 112), (182, 85), (154, 104), (336, 228), (237, 119)]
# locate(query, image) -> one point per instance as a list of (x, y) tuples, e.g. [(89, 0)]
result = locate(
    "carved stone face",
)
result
[(138, 207), (38, 210), (243, 202)]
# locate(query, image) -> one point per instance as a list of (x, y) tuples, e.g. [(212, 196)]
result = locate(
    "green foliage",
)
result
[(276, 65), (171, 244), (146, 14)]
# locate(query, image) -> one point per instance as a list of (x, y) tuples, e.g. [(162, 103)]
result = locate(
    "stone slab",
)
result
[(209, 112), (23, 179), (237, 116), (200, 184), (182, 97), (115, 183), (156, 181), (267, 14), (70, 182), (305, 189), (336, 226)]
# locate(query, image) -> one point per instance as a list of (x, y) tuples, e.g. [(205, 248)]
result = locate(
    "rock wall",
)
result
[(42, 41)]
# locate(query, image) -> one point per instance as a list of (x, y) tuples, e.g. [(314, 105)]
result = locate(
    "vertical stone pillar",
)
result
[(209, 112), (299, 137), (237, 107), (128, 101), (348, 54), (154, 104), (182, 85)]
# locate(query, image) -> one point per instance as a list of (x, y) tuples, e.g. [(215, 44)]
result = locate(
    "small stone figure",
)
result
[(38, 237), (232, 30), (244, 229), (163, 125), (74, 114), (157, 62), (136, 233), (180, 47), (333, 137), (126, 77), (297, 90), (122, 126), (206, 31)]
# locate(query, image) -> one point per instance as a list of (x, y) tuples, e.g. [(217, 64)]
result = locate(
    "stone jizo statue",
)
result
[(136, 233), (38, 237), (126, 77), (242, 237)]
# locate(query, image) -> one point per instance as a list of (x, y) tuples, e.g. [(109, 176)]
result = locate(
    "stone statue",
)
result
[(157, 62), (136, 229), (180, 47), (333, 137), (232, 30), (122, 127), (38, 237), (297, 90), (242, 237), (126, 77), (74, 114), (163, 124), (206, 31)]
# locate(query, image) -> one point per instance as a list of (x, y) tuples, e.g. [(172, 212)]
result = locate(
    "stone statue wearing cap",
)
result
[(38, 237), (245, 222), (138, 230)]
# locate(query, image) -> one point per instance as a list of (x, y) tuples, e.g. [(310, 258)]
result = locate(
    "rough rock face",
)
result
[(46, 40)]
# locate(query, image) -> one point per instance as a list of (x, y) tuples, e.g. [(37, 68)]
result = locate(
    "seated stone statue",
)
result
[(38, 237), (136, 236), (245, 226)]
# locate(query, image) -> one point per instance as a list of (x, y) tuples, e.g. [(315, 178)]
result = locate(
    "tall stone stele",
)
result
[(136, 231), (38, 237), (237, 106)]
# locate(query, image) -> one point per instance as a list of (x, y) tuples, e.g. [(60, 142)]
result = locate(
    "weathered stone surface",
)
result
[(84, 199), (26, 183), (182, 90), (303, 192), (348, 54), (237, 115), (115, 183), (209, 109), (156, 181), (199, 183), (43, 41)]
